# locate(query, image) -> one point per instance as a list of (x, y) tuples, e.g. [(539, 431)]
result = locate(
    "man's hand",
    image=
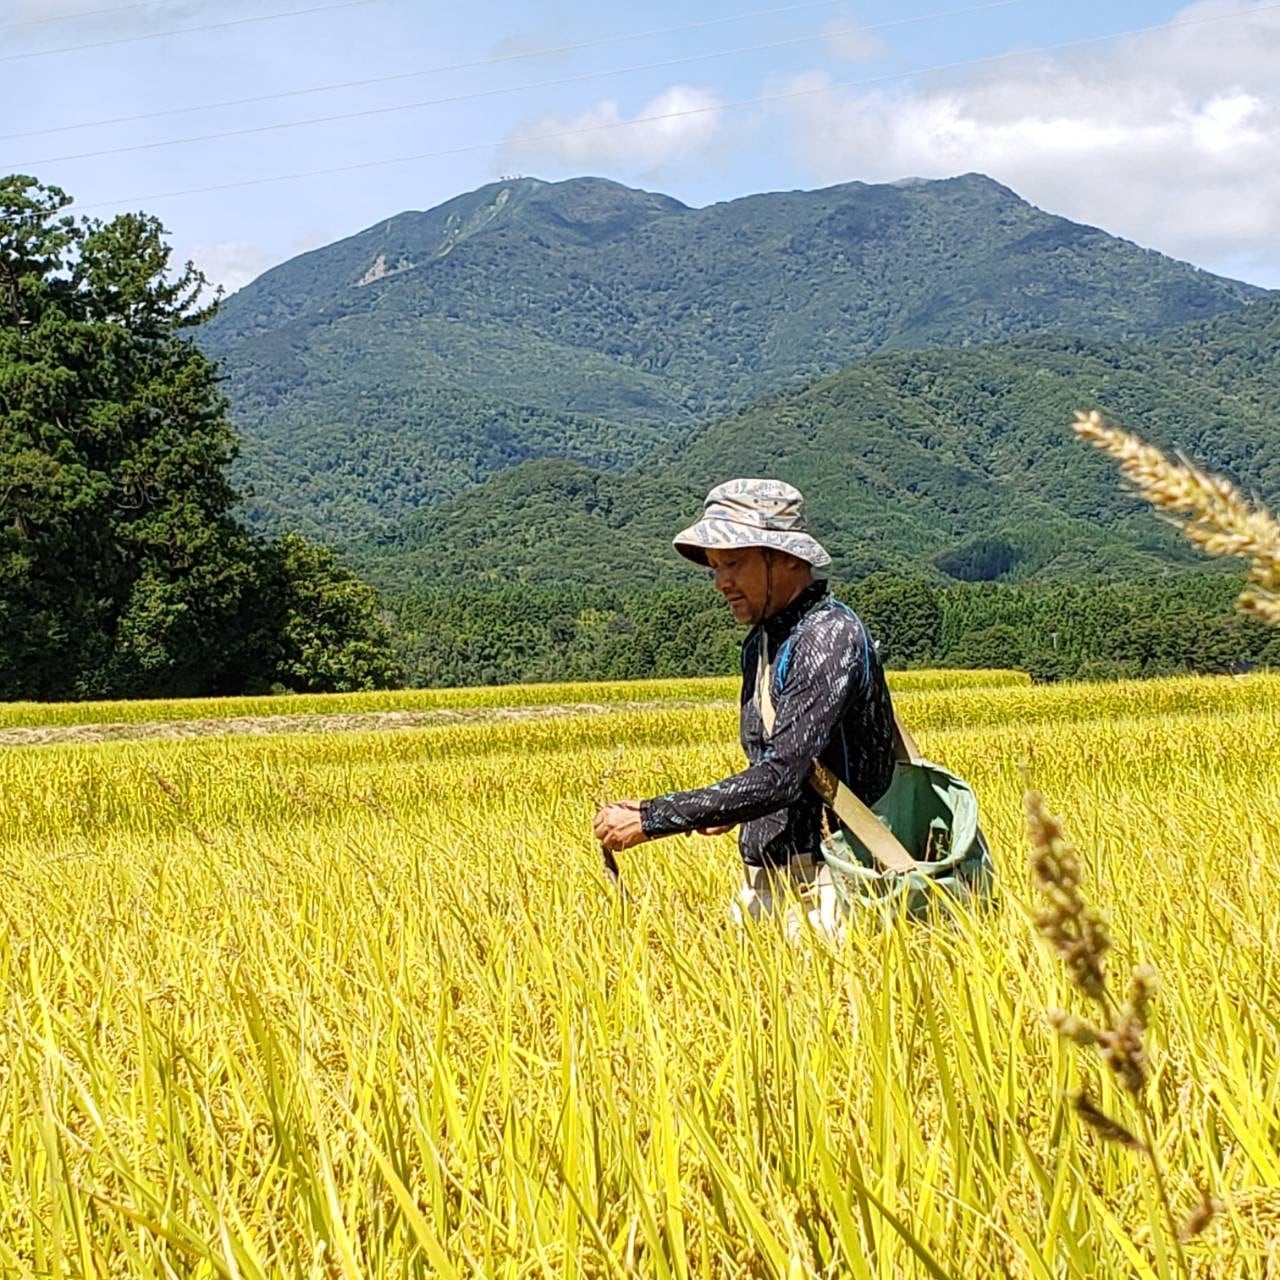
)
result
[(617, 826), (715, 831)]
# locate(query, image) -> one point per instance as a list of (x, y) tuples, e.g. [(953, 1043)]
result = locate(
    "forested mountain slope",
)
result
[(959, 464), (588, 321)]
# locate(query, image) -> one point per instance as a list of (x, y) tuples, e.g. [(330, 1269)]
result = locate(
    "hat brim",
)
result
[(725, 535)]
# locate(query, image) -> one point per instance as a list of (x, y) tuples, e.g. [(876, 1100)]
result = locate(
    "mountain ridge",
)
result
[(595, 322)]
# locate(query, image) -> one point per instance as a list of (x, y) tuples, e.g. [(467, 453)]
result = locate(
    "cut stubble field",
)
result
[(364, 1003)]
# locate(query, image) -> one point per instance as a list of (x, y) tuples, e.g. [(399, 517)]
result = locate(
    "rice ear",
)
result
[(1209, 510)]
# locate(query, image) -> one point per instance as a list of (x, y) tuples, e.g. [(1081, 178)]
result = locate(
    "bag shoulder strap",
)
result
[(904, 745), (879, 841)]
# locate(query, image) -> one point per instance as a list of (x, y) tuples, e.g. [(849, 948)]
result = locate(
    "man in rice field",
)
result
[(829, 696)]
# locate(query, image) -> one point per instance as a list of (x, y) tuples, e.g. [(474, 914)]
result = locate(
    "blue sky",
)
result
[(1168, 136)]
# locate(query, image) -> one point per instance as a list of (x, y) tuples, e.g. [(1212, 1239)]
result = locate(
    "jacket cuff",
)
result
[(646, 819)]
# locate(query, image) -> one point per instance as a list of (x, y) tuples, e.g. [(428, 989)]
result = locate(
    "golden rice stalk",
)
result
[(1210, 510)]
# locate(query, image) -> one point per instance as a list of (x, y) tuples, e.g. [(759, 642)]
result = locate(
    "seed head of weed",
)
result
[(166, 786), (1100, 1122), (1080, 935), (1199, 1217), (1078, 932), (1077, 1030), (1121, 1045)]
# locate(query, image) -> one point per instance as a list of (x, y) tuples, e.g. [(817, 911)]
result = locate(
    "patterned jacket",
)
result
[(831, 703)]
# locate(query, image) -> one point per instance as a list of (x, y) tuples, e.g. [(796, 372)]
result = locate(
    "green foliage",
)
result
[(324, 623), (988, 646), (1234, 351), (586, 321), (980, 560), (910, 463), (1180, 624), (123, 570), (903, 614), (1056, 631), (518, 634)]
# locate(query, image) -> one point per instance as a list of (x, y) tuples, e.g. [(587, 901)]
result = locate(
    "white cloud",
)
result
[(1169, 138), (850, 42), (231, 263), (235, 263), (601, 138)]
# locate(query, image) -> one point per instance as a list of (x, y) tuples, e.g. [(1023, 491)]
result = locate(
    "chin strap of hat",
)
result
[(768, 584)]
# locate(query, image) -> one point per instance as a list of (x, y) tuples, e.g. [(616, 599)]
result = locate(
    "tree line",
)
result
[(1053, 630)]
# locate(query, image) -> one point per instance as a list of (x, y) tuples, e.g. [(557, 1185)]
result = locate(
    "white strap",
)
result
[(879, 841)]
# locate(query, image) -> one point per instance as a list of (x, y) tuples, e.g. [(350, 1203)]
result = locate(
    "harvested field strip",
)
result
[(711, 689), (357, 722), (923, 710)]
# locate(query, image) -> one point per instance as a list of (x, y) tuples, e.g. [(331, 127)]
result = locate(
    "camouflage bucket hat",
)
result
[(751, 513)]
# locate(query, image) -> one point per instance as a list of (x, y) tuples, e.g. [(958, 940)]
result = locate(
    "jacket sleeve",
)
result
[(825, 664)]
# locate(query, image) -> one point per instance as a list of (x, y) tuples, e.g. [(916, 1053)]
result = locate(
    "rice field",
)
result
[(711, 689), (356, 1004)]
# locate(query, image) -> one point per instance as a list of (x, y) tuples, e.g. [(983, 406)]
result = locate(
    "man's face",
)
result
[(740, 576)]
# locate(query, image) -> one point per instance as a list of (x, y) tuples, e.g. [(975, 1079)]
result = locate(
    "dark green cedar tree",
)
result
[(124, 571)]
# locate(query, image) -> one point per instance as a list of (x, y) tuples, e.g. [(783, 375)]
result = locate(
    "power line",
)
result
[(494, 61), (27, 165), (82, 13), (676, 115), (181, 31)]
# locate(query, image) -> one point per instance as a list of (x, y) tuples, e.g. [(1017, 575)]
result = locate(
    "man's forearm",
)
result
[(764, 788)]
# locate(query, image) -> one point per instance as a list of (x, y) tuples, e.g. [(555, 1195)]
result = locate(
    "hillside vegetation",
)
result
[(955, 464), (587, 321)]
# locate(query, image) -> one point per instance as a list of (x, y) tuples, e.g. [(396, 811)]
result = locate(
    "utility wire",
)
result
[(496, 60), (28, 165), (690, 111), (181, 31), (82, 13)]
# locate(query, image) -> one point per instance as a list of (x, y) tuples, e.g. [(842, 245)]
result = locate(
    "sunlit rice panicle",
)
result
[(1210, 510)]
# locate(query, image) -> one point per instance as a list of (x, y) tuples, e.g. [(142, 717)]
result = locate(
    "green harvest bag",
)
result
[(918, 846), (933, 815)]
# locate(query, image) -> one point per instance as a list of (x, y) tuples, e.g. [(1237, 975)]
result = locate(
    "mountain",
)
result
[(587, 321), (1237, 351), (953, 463)]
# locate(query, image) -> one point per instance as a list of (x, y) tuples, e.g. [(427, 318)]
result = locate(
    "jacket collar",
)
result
[(781, 624)]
